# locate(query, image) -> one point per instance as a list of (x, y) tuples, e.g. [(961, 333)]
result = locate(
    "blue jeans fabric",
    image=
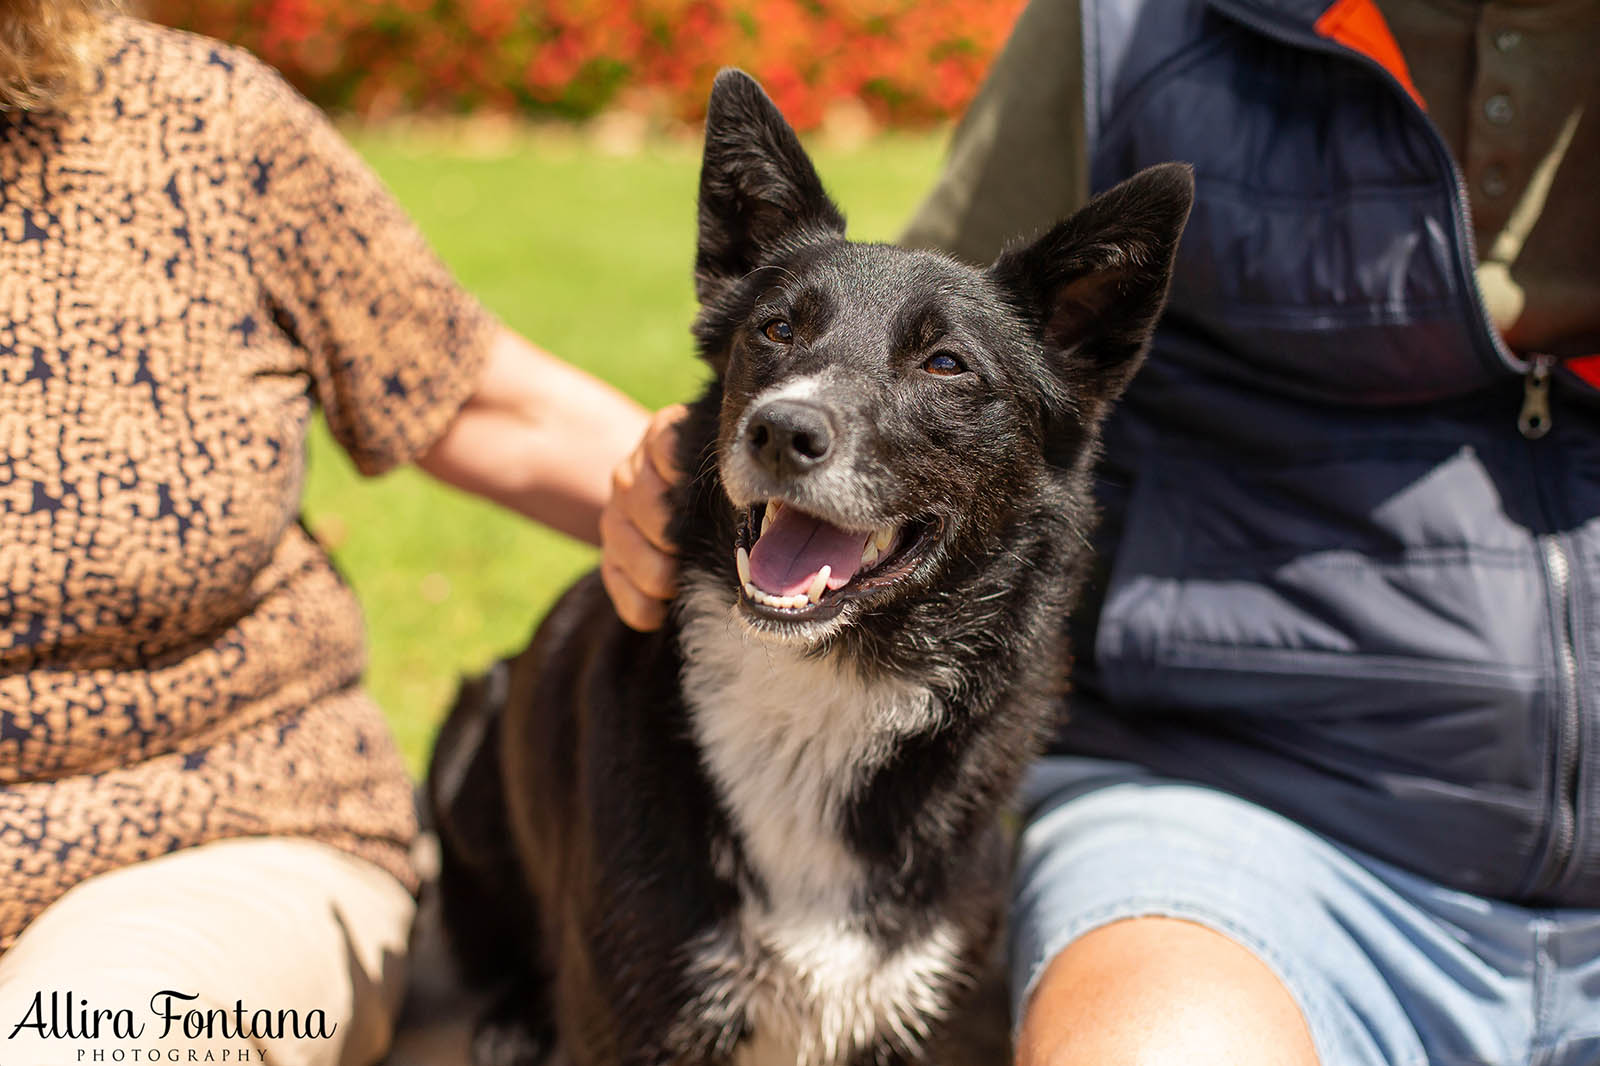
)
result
[(1387, 967)]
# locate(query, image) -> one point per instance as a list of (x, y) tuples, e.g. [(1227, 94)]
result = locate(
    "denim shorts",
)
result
[(1387, 967)]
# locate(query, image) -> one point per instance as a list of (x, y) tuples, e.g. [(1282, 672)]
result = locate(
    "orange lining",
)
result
[(1586, 367), (1359, 26)]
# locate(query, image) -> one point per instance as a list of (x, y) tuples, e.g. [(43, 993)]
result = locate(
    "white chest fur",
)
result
[(786, 739), (816, 995)]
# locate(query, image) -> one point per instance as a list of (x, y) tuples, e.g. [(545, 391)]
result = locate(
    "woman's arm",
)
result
[(540, 437), (564, 448)]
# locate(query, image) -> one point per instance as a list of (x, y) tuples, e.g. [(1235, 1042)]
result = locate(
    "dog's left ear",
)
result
[(1094, 285), (759, 192)]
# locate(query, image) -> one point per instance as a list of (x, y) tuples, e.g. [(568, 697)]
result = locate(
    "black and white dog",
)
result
[(769, 834)]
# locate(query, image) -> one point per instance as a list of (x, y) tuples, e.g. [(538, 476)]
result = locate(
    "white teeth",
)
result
[(869, 554), (790, 602), (741, 559), (766, 517), (883, 538), (819, 584)]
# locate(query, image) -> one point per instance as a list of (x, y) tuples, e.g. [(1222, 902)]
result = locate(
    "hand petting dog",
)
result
[(639, 565)]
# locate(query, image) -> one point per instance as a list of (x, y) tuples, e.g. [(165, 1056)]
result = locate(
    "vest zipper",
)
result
[(1558, 570), (1534, 421)]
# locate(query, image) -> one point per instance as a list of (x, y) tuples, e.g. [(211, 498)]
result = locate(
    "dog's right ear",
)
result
[(759, 193)]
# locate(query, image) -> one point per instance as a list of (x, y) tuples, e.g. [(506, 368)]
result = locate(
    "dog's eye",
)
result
[(944, 364), (778, 330)]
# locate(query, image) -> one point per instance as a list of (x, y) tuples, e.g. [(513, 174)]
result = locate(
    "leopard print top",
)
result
[(190, 259)]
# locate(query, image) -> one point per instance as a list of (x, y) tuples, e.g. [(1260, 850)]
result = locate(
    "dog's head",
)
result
[(887, 414)]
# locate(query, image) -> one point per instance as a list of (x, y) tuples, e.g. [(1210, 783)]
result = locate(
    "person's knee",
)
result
[(1156, 992)]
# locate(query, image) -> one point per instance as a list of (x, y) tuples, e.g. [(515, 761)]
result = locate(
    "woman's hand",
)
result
[(638, 565)]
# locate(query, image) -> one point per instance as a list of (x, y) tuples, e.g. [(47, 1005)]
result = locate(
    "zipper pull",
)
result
[(1534, 421)]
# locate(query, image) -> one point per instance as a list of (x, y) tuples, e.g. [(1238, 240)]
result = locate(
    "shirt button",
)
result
[(1498, 109), (1494, 182), (1506, 40)]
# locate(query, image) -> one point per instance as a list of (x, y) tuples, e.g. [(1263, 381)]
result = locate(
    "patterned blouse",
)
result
[(190, 260)]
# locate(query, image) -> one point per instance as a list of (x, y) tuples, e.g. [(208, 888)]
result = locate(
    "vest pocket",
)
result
[(1287, 589)]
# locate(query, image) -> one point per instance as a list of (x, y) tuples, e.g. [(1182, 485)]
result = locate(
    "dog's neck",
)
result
[(787, 740)]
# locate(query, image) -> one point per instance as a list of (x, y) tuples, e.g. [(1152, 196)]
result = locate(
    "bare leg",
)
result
[(1149, 991)]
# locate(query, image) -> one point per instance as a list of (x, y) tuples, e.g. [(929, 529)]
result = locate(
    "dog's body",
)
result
[(768, 834)]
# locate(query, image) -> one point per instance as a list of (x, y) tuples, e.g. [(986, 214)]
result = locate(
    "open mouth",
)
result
[(794, 566)]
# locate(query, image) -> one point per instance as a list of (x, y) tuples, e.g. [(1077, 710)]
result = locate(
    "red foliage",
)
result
[(909, 61)]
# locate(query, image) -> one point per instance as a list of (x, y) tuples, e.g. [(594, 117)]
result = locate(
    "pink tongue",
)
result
[(796, 547)]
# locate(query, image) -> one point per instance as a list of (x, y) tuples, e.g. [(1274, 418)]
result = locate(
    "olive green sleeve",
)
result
[(1017, 162)]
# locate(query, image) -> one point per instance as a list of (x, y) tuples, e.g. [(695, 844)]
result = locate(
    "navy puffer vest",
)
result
[(1337, 577)]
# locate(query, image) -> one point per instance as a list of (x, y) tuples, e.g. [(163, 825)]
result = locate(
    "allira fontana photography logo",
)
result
[(170, 1018)]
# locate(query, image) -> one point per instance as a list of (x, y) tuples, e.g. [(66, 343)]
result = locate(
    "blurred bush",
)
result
[(907, 61)]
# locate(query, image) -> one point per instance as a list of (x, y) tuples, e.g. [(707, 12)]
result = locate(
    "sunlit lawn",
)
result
[(587, 252)]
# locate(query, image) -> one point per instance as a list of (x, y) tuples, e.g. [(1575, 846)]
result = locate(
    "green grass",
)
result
[(588, 254)]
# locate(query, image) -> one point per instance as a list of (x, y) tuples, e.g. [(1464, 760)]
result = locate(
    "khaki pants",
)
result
[(259, 950)]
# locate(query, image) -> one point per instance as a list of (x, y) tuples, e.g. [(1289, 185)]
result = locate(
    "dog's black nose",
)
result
[(789, 437)]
